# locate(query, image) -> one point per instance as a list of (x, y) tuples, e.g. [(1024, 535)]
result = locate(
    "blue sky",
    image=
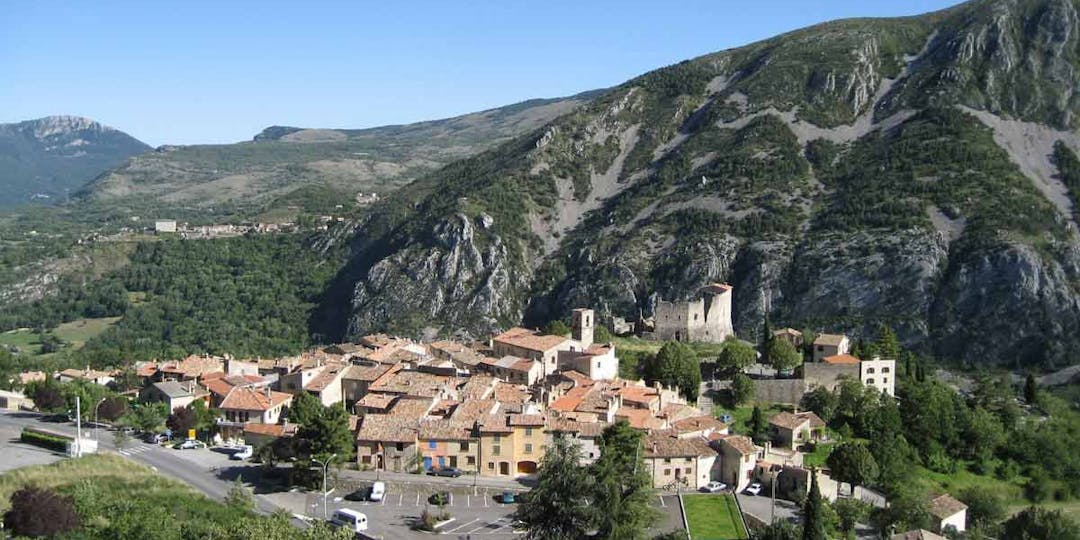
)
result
[(212, 72)]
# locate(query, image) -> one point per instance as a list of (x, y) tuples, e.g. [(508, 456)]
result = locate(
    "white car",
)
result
[(714, 487), (378, 491), (243, 453), (754, 489), (190, 444)]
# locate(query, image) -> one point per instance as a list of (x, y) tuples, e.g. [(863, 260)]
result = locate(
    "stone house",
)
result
[(790, 335), (687, 462), (738, 458), (525, 343), (387, 443), (172, 393), (831, 345), (513, 369), (447, 443), (245, 404), (585, 434), (787, 429), (947, 513)]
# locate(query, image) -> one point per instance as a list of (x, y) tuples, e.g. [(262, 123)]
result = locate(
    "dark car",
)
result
[(452, 472), (359, 495), (440, 498), (507, 497)]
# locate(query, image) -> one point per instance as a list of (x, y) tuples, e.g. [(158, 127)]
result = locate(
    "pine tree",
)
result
[(1031, 390), (888, 345), (766, 332), (757, 424), (813, 521)]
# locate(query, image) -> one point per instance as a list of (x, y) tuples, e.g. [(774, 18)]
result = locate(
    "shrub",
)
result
[(39, 513), (58, 444)]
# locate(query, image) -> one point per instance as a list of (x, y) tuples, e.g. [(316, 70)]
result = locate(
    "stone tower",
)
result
[(582, 326)]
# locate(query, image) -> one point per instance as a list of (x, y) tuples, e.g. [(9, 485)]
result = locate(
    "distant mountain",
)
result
[(917, 171), (42, 159), (284, 164)]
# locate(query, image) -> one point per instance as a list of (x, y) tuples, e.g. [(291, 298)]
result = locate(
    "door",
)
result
[(504, 468), (453, 461), (427, 463), (442, 462)]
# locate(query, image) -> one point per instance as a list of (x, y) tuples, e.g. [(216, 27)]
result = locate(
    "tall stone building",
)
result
[(706, 319)]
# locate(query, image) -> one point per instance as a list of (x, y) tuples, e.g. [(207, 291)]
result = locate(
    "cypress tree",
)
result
[(813, 521)]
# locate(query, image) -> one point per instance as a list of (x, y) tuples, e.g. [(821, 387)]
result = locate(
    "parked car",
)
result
[(714, 487), (378, 491), (508, 497), (190, 444), (754, 489), (157, 438), (243, 453), (452, 472), (439, 498), (359, 495), (350, 520)]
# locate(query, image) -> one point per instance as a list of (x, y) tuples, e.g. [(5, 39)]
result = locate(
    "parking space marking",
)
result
[(417, 498), (662, 503), (468, 500), (462, 526), (451, 499), (400, 498)]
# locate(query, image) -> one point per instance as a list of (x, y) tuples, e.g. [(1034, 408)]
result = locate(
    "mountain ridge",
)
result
[(835, 175)]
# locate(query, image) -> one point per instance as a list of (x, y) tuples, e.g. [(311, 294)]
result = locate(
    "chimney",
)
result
[(268, 392)]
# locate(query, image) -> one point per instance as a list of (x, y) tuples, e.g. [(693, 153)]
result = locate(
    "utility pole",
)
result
[(772, 511), (96, 416), (78, 427)]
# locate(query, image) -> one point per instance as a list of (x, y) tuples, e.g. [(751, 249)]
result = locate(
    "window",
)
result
[(400, 447), (528, 448), (820, 348), (688, 460), (597, 364), (498, 438), (431, 445), (528, 432), (495, 450), (869, 370), (886, 380), (667, 472), (695, 316), (465, 446), (471, 460), (667, 460), (491, 466), (686, 470), (884, 370), (869, 381)]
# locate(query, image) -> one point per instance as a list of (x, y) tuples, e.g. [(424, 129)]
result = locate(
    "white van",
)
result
[(349, 519), (378, 490)]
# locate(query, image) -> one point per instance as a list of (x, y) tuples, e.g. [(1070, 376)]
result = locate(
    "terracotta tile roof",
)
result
[(508, 393), (458, 352), (526, 339), (413, 383), (271, 430), (678, 411), (367, 373), (478, 386), (570, 401), (329, 375), (387, 428), (665, 446), (219, 387), (832, 340), (597, 349), (412, 408), (582, 429), (717, 288), (639, 418), (474, 409), (512, 363), (526, 420), (212, 375), (495, 423), (788, 421), (377, 401), (252, 399), (31, 376), (194, 366), (841, 359), (920, 534), (376, 341), (85, 374), (787, 332), (444, 430), (944, 506), (146, 370), (815, 420), (742, 444), (698, 423), (643, 395)]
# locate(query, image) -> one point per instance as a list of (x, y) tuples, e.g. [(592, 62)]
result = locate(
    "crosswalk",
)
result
[(135, 450)]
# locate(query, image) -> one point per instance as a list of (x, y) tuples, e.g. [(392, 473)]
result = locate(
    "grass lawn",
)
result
[(1011, 491), (740, 416), (713, 517), (818, 456), (76, 333)]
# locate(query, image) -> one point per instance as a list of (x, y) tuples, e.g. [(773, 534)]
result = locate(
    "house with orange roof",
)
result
[(585, 434), (525, 343), (738, 459), (830, 345), (447, 443), (786, 429), (94, 376), (245, 404), (387, 442), (513, 369)]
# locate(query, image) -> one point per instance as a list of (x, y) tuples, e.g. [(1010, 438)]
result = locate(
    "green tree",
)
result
[(1037, 523), (205, 418), (37, 512), (985, 508), (781, 530), (304, 408), (821, 401), (853, 463), (239, 498), (675, 365), (766, 331), (557, 328), (326, 434), (736, 356), (781, 354), (813, 518), (601, 334), (742, 389), (850, 511), (112, 409), (1031, 390), (887, 345), (895, 459), (757, 425), (147, 417), (622, 494), (556, 508), (47, 396)]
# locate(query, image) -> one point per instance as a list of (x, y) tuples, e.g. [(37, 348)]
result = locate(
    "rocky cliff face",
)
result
[(42, 159), (840, 176)]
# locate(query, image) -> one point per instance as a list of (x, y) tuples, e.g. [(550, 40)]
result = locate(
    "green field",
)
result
[(713, 517), (75, 333), (740, 416), (818, 456)]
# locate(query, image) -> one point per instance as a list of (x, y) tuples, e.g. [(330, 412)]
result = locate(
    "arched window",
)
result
[(869, 370)]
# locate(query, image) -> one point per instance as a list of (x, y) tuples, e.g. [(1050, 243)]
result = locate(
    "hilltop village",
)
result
[(491, 408)]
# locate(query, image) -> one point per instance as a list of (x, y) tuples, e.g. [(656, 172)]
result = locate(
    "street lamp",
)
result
[(96, 415), (325, 466)]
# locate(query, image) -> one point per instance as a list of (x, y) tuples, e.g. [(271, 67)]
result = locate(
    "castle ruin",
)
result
[(706, 319)]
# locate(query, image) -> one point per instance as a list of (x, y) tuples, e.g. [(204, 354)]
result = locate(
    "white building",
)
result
[(165, 226), (880, 374)]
